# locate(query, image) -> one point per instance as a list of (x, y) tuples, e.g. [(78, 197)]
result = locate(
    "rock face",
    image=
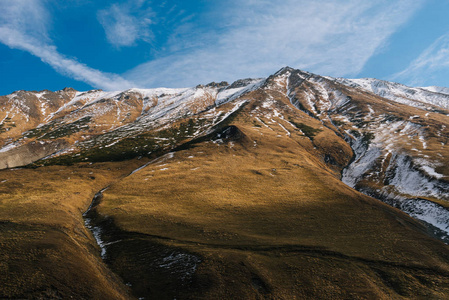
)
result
[(29, 153)]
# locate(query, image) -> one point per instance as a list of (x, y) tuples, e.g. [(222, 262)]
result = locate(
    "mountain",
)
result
[(291, 186)]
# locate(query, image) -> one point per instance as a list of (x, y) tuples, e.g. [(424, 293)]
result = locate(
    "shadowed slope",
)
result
[(45, 250)]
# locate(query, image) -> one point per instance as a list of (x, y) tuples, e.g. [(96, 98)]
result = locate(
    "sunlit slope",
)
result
[(270, 218), (36, 125)]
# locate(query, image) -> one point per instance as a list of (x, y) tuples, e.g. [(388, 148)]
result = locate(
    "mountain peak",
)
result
[(255, 162), (283, 71)]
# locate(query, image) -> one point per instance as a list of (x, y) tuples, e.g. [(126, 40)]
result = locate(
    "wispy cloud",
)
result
[(236, 39), (24, 25), (431, 64), (126, 23), (25, 16), (328, 37)]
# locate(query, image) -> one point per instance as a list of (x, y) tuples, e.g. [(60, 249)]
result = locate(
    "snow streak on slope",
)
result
[(390, 163), (417, 97), (237, 89), (394, 149), (405, 182)]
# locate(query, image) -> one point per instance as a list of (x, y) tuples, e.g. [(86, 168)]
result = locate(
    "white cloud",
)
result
[(25, 16), (244, 38), (126, 23), (429, 66), (332, 37), (24, 26)]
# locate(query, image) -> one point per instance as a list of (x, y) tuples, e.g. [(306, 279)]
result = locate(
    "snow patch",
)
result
[(227, 95), (8, 147)]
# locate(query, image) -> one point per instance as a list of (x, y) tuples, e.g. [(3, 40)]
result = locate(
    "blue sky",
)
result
[(114, 45)]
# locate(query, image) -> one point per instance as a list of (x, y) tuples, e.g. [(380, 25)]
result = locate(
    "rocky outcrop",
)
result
[(29, 153)]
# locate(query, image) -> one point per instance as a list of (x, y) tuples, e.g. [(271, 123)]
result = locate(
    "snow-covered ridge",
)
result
[(113, 109), (413, 96), (436, 89), (91, 97), (230, 93)]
